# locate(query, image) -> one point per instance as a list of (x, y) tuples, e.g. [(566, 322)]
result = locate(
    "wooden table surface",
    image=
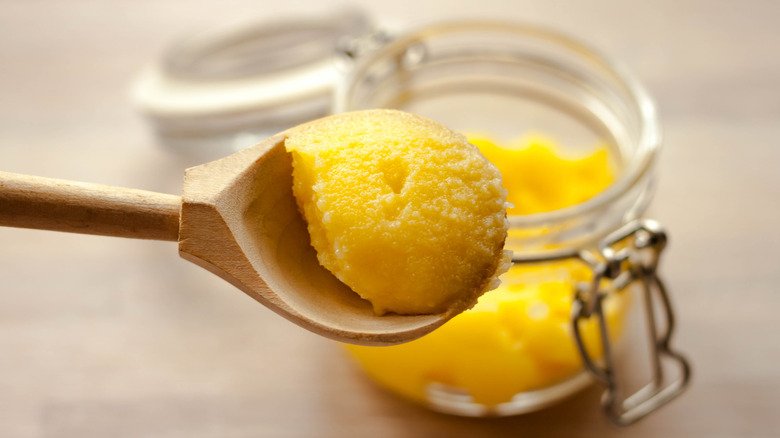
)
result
[(103, 337)]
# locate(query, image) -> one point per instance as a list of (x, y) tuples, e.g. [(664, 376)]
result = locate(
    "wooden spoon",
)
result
[(237, 218)]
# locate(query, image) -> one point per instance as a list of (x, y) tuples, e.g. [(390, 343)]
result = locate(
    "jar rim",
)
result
[(649, 138)]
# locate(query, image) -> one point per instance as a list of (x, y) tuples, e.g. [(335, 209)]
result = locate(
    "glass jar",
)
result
[(551, 329), (506, 81)]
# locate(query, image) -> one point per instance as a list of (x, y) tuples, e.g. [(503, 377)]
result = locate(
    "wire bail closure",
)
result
[(630, 254)]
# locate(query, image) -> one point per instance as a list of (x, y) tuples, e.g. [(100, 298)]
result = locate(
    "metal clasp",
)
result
[(630, 255)]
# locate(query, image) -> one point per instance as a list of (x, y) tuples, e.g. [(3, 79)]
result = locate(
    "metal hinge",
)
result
[(629, 256)]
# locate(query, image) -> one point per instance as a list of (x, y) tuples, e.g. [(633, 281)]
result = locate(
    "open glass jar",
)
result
[(551, 328)]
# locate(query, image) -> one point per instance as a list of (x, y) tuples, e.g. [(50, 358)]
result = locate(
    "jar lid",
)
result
[(247, 75)]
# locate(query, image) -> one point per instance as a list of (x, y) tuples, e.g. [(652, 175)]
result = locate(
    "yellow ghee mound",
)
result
[(540, 178), (405, 212), (518, 337)]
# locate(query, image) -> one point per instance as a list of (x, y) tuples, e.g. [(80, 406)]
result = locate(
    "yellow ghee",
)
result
[(539, 178), (518, 337), (405, 212)]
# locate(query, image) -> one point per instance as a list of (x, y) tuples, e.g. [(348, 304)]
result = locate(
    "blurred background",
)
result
[(113, 337)]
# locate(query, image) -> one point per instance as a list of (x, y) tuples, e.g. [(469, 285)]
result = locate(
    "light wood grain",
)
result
[(238, 219), (120, 338), (28, 201)]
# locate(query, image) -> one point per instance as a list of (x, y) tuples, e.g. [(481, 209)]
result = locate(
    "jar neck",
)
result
[(522, 62)]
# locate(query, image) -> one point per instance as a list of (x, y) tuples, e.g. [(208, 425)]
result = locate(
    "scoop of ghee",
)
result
[(518, 337), (405, 212)]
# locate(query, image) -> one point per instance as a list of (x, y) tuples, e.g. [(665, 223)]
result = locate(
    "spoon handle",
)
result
[(59, 205)]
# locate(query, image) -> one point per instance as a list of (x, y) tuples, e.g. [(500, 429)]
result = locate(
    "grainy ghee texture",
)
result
[(405, 212)]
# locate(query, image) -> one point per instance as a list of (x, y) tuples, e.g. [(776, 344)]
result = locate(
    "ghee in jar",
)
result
[(518, 337)]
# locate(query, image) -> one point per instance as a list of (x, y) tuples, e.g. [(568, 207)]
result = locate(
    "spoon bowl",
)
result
[(246, 228)]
